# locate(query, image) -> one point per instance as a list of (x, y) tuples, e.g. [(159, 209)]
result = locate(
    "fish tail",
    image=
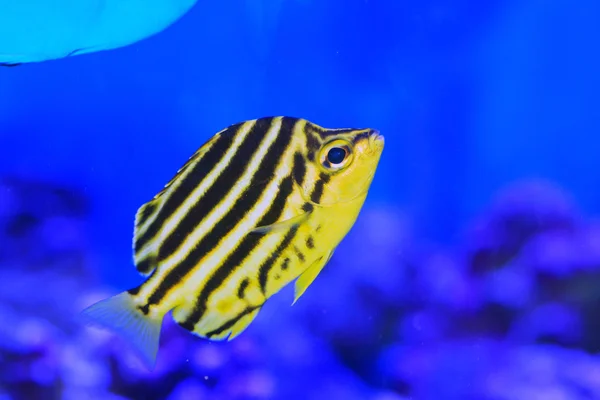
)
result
[(120, 314)]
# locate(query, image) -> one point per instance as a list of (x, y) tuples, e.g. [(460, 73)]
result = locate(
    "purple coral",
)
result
[(485, 320)]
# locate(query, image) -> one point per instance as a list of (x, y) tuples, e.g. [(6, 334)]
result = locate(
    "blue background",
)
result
[(472, 97)]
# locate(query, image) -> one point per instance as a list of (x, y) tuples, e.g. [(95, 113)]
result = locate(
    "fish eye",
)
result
[(336, 155)]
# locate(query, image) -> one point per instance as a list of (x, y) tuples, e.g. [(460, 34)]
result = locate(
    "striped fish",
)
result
[(262, 203)]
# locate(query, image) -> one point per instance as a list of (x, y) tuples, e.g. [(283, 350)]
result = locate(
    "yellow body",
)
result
[(292, 173)]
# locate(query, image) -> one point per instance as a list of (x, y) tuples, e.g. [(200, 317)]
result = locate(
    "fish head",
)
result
[(346, 161)]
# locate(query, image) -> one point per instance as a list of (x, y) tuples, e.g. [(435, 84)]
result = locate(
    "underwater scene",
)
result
[(299, 199)]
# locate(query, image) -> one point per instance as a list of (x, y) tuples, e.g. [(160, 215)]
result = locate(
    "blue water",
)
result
[(490, 114)]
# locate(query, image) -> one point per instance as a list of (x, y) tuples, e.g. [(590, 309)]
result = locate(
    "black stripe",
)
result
[(263, 271), (317, 193), (310, 243), (313, 132), (144, 266), (299, 254), (229, 324), (192, 180), (134, 290), (244, 203), (237, 257), (313, 143), (147, 211), (145, 309), (299, 169), (361, 136), (242, 288), (335, 132), (217, 191)]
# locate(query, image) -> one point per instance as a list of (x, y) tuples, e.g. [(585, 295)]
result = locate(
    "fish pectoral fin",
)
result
[(283, 225), (309, 275)]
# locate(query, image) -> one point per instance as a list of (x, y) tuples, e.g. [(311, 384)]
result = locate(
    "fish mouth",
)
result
[(376, 139)]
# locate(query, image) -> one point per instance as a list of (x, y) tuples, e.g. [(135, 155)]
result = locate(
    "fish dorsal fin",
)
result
[(149, 211), (145, 256), (309, 275), (145, 259), (191, 160), (284, 225), (145, 214)]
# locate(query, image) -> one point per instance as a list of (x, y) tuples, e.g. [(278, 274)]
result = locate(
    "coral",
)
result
[(509, 313)]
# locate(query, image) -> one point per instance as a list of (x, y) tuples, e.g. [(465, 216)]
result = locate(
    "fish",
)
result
[(41, 30), (262, 203)]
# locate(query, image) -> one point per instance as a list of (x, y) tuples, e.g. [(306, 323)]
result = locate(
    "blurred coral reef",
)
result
[(510, 312)]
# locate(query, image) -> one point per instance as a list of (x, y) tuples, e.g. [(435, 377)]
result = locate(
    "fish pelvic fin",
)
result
[(120, 315), (309, 275)]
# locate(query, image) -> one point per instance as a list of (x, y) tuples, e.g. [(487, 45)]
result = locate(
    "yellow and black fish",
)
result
[(262, 203)]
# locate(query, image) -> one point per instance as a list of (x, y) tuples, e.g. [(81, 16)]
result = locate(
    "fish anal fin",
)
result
[(309, 275), (241, 325), (230, 329), (120, 315), (284, 225)]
